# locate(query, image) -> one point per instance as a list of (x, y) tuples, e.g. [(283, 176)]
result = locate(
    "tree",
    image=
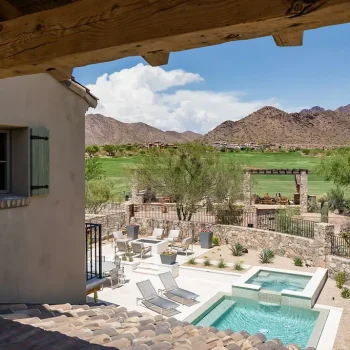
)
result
[(336, 167), (93, 169), (109, 149), (97, 194), (92, 150), (190, 174)]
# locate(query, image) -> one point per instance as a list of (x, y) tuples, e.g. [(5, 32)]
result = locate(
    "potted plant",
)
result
[(132, 231), (206, 238), (168, 256), (163, 208)]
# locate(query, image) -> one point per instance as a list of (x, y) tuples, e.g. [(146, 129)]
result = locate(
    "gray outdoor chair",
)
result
[(173, 290), (185, 245), (139, 248), (150, 298), (173, 236), (122, 245), (157, 233)]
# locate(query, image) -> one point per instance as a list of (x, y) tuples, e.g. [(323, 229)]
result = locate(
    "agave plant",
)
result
[(266, 256), (237, 249)]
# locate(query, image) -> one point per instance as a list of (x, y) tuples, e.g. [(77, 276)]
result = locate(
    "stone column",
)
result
[(303, 191), (246, 188), (321, 246)]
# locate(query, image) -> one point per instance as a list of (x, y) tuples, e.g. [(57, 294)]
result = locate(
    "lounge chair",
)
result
[(150, 298), (173, 289), (173, 236), (157, 233), (122, 245), (139, 248), (185, 245)]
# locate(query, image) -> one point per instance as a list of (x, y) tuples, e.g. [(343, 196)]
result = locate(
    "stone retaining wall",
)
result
[(336, 264), (109, 222)]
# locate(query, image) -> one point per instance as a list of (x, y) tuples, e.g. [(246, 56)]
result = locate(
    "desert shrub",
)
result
[(266, 256), (124, 258), (229, 215), (221, 264), (238, 265), (298, 261), (236, 249), (216, 240), (192, 261), (306, 152), (207, 262), (340, 279), (131, 259), (345, 293), (336, 199)]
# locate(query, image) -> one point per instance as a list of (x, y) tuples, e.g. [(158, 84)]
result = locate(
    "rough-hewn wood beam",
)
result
[(91, 31), (61, 74), (7, 11), (157, 58), (289, 38)]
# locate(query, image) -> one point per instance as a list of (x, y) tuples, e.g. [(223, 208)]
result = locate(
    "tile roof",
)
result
[(99, 326)]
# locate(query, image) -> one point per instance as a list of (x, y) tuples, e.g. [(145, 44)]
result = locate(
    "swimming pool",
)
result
[(289, 324), (277, 281)]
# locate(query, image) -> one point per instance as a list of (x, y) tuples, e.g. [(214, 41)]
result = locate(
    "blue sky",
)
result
[(253, 71)]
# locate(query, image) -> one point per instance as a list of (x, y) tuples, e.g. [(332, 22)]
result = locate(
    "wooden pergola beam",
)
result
[(289, 38), (156, 58), (7, 11), (92, 31)]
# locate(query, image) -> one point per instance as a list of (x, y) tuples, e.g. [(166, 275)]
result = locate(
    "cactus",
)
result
[(324, 212)]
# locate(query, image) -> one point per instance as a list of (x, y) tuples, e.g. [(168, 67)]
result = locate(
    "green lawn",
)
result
[(118, 169)]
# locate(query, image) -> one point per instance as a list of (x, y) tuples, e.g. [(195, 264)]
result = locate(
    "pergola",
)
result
[(57, 35), (301, 182)]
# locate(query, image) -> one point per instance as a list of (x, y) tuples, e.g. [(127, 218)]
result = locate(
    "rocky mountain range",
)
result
[(101, 130), (269, 125)]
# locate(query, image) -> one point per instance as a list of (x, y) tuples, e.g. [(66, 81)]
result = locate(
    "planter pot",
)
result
[(206, 239), (168, 259), (164, 209), (132, 232)]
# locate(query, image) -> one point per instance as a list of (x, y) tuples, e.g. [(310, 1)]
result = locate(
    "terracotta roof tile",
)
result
[(99, 326)]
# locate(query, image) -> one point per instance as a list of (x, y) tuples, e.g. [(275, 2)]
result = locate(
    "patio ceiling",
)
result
[(37, 36)]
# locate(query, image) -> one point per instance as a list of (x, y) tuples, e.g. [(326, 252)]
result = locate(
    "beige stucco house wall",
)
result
[(42, 245)]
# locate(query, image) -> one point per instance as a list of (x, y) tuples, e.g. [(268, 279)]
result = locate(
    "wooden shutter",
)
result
[(40, 161)]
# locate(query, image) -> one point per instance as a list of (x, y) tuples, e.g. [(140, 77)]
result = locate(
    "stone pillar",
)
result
[(322, 243), (303, 191), (247, 188), (250, 216)]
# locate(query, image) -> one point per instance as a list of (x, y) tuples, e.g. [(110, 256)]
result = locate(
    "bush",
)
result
[(238, 265), (124, 258), (340, 279), (207, 262), (97, 194), (266, 256), (131, 259), (237, 249), (221, 264), (216, 240), (192, 261), (336, 199), (229, 215), (298, 261), (345, 293)]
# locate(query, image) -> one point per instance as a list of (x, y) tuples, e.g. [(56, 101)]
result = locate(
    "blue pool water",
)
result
[(277, 281), (289, 324)]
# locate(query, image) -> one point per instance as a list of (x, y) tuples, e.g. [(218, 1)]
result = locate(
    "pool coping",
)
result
[(315, 336), (311, 291)]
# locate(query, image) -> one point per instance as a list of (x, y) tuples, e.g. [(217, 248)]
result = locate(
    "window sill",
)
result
[(9, 200)]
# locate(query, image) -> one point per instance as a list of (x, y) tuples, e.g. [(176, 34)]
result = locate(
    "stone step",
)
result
[(146, 271)]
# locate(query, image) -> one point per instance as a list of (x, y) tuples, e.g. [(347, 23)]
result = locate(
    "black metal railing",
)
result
[(286, 224), (93, 250), (340, 246)]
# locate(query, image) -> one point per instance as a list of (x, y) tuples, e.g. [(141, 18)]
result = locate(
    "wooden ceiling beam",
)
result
[(7, 11), (91, 31), (157, 58), (61, 74), (289, 38)]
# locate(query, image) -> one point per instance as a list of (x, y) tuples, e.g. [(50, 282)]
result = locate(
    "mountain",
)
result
[(269, 125), (101, 130)]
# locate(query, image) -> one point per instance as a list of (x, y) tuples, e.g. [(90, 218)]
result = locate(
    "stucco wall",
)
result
[(42, 246)]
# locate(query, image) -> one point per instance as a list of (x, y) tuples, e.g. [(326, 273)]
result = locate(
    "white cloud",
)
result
[(141, 94)]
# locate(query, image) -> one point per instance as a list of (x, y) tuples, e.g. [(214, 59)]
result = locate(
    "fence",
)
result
[(286, 224), (202, 214), (93, 250), (340, 246)]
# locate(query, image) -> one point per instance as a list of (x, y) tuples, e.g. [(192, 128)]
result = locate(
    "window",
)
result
[(4, 162)]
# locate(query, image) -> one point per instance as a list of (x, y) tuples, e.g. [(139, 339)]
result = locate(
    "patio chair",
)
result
[(173, 289), (139, 248), (185, 245), (157, 233), (117, 235), (122, 245), (173, 236), (116, 278), (150, 298)]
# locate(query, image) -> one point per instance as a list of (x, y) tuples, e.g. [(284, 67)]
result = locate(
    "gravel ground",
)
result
[(329, 291)]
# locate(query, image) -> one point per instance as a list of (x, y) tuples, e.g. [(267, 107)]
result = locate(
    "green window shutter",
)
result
[(40, 161)]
